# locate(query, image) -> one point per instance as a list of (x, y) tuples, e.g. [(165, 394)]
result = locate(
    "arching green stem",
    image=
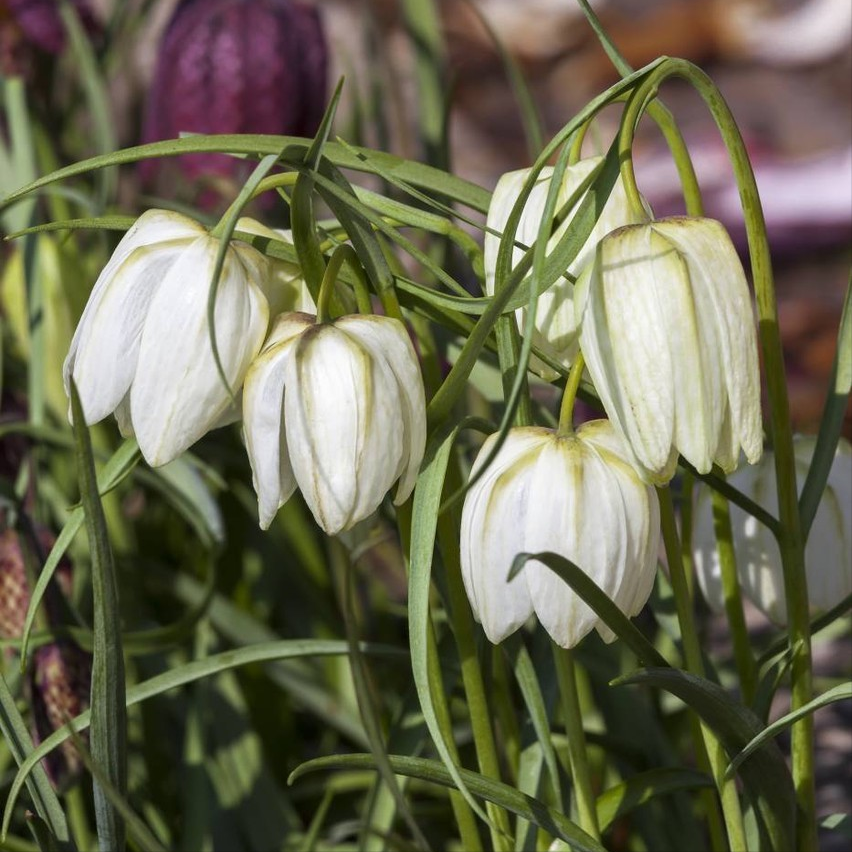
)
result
[(789, 532), (270, 182), (695, 664), (569, 396), (343, 254)]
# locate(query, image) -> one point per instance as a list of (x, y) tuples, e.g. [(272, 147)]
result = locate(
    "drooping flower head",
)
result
[(555, 322), (667, 331), (828, 553), (573, 495), (142, 348), (338, 410), (231, 66)]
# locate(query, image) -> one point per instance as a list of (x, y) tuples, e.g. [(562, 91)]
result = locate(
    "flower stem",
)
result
[(569, 396), (566, 674), (746, 668), (731, 808), (344, 253), (472, 679), (465, 819), (789, 530)]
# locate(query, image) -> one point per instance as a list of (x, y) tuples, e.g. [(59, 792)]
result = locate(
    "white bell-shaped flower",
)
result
[(288, 290), (574, 495), (142, 348), (669, 339), (338, 410), (555, 321), (828, 552)]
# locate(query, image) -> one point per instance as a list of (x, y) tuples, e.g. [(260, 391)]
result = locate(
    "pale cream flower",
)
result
[(572, 495), (142, 349), (338, 410), (555, 321), (828, 553), (669, 339)]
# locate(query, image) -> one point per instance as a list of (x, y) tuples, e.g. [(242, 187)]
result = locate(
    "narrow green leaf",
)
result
[(366, 705), (833, 415), (424, 523), (224, 230), (841, 692), (641, 788), (525, 675), (418, 174), (103, 223), (530, 118), (140, 832), (766, 777), (180, 676), (500, 794), (598, 600), (312, 157), (17, 738), (109, 715), (423, 25), (94, 86), (125, 458)]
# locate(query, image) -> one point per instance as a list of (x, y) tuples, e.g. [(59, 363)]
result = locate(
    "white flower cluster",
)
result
[(659, 309), (662, 315), (336, 409)]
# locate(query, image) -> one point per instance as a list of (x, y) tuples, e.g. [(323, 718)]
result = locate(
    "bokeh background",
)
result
[(785, 67)]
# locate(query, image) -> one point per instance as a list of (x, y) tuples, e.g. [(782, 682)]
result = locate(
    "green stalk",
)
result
[(343, 254), (746, 668), (569, 396), (694, 663), (566, 674), (472, 680), (465, 819), (789, 530)]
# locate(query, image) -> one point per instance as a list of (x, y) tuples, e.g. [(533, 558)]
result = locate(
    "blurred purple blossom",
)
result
[(236, 66), (41, 24)]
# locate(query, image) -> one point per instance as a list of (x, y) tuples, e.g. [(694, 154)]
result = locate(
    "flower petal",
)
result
[(343, 422), (491, 533), (265, 436), (724, 306), (388, 342), (177, 394)]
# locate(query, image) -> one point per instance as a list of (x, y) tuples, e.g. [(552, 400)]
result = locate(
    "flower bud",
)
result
[(573, 495), (142, 348), (828, 553), (228, 66), (337, 409), (667, 332), (288, 291), (42, 24), (555, 322), (60, 684)]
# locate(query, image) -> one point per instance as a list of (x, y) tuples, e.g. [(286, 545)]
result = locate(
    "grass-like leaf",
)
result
[(125, 458), (598, 600), (109, 714), (766, 777), (20, 744), (831, 425), (641, 788), (841, 692), (500, 794), (180, 676)]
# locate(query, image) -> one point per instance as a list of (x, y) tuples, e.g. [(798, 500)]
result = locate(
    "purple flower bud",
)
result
[(60, 683), (14, 589), (236, 66), (41, 24)]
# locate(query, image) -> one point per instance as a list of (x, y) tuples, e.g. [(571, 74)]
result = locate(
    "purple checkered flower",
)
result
[(236, 66)]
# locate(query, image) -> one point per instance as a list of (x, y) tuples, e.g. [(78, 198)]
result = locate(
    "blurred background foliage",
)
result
[(208, 764)]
